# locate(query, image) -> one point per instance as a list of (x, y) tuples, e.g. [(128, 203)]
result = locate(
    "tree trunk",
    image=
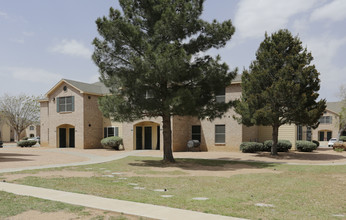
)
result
[(167, 138), (274, 150), (340, 132)]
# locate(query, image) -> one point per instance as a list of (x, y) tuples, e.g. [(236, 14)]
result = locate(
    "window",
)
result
[(299, 133), (31, 128), (308, 133), (220, 95), (220, 133), (110, 131), (196, 133), (326, 119), (324, 135), (65, 104)]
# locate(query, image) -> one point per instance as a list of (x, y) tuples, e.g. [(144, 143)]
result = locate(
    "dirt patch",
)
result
[(92, 214), (191, 169), (322, 155), (49, 174)]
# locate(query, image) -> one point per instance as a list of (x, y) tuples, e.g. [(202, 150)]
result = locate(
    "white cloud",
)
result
[(334, 11), (325, 49), (254, 17), (4, 15), (34, 75), (28, 34), (73, 48)]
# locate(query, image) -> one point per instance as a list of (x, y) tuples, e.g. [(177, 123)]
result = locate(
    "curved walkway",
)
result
[(114, 205)]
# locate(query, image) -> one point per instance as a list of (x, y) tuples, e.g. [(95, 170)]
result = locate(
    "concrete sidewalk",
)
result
[(92, 159), (114, 205)]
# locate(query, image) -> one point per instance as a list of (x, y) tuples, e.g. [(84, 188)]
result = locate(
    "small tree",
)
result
[(152, 58), (281, 86), (20, 111)]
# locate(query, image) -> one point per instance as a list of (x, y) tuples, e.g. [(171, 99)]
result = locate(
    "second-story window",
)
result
[(220, 95), (31, 128), (65, 104), (326, 120)]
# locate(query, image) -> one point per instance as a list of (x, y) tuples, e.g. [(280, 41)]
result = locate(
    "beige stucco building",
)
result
[(70, 117)]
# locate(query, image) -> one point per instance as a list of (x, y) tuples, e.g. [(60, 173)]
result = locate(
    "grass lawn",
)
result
[(295, 191)]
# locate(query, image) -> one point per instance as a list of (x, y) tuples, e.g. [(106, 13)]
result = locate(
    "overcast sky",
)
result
[(43, 41)]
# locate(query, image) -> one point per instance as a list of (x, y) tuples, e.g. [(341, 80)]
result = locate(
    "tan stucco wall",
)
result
[(333, 127), (93, 122), (7, 134), (286, 132), (51, 119), (182, 128), (128, 132)]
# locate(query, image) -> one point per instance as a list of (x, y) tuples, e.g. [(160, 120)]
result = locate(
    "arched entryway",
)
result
[(146, 136), (65, 136), (325, 135)]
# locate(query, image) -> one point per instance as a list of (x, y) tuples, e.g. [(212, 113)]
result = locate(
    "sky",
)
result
[(43, 41)]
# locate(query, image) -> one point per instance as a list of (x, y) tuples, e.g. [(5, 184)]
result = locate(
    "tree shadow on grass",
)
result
[(202, 164), (308, 156)]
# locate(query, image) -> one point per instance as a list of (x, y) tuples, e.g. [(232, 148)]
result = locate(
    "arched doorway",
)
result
[(324, 135), (146, 136), (65, 136)]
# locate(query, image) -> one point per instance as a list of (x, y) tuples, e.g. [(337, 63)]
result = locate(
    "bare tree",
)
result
[(19, 111), (342, 114)]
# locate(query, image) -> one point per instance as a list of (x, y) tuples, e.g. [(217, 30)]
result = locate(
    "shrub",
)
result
[(342, 138), (283, 145), (306, 146), (25, 138), (339, 146), (316, 142), (112, 142), (26, 143), (251, 147)]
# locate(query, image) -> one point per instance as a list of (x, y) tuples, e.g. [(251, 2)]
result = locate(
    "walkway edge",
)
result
[(115, 205)]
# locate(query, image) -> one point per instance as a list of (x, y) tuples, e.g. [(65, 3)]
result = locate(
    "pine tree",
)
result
[(151, 57), (280, 87)]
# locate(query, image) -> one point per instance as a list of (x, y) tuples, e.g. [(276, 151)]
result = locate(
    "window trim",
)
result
[(224, 134), (58, 107), (115, 131)]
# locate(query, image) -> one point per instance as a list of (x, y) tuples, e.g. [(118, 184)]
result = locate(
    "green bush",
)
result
[(251, 147), (282, 146), (316, 142), (25, 138), (306, 146), (112, 142), (342, 138), (26, 143)]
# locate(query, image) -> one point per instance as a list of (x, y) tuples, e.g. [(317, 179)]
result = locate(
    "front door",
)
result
[(139, 138), (147, 138), (62, 137), (71, 137)]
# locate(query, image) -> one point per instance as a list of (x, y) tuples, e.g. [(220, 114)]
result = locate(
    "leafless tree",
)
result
[(19, 111), (343, 111)]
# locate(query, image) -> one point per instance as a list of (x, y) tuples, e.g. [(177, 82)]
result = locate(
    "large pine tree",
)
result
[(281, 87), (151, 56)]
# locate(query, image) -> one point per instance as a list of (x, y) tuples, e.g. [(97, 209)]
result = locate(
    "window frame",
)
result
[(106, 131), (63, 105), (218, 133)]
